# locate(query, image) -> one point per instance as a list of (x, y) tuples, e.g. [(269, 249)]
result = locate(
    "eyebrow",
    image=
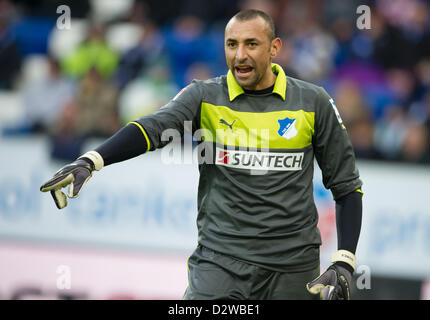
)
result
[(246, 40)]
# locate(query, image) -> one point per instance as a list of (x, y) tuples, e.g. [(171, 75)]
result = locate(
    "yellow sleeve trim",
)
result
[(144, 133)]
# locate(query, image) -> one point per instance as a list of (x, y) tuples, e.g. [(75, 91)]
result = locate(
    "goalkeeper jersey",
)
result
[(255, 193)]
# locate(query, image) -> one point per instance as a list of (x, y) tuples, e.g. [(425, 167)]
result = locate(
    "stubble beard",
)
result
[(250, 83), (253, 81)]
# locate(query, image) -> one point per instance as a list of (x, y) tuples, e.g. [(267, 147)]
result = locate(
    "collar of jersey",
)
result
[(235, 90)]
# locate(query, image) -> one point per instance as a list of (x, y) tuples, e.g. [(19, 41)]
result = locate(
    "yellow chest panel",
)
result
[(282, 129)]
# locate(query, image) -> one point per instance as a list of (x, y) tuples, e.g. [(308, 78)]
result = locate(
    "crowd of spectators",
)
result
[(379, 77)]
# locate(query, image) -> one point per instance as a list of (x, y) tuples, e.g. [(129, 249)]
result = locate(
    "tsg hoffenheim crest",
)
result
[(287, 128)]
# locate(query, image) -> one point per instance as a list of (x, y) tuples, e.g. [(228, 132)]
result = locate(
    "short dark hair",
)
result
[(250, 14)]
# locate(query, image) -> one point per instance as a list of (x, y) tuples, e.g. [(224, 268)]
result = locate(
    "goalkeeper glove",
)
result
[(334, 283), (75, 174)]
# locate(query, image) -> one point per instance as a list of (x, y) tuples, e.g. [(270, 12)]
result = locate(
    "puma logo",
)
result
[(227, 124)]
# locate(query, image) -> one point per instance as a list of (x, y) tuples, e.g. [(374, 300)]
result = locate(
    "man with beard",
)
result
[(260, 132)]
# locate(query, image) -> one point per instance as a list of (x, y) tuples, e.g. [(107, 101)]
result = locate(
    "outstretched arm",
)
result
[(127, 143), (134, 139)]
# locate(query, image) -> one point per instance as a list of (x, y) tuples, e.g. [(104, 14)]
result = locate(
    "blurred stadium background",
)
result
[(62, 91)]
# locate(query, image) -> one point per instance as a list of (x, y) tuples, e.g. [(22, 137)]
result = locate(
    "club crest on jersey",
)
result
[(287, 128)]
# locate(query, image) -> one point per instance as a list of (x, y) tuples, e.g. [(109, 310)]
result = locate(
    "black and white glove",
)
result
[(74, 175), (335, 282)]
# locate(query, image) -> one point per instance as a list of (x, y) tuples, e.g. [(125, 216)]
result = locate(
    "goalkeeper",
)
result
[(257, 220)]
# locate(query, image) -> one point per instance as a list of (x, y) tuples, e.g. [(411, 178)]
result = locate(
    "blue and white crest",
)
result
[(287, 128)]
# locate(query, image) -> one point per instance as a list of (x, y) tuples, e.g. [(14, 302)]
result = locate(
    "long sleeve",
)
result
[(127, 143), (185, 107), (333, 149), (146, 134), (348, 220)]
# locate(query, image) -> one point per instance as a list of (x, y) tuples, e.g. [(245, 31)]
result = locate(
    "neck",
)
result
[(262, 91), (267, 81)]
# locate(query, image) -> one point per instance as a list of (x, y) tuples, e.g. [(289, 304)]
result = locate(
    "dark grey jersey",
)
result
[(255, 195)]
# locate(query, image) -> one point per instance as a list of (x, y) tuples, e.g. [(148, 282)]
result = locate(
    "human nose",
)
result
[(241, 53)]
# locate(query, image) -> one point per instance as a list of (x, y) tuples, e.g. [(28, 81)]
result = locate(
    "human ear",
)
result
[(275, 47)]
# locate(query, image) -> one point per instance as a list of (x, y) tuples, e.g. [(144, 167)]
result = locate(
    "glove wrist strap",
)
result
[(344, 256), (95, 157)]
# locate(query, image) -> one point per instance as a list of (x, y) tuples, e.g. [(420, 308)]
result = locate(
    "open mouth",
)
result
[(243, 71)]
